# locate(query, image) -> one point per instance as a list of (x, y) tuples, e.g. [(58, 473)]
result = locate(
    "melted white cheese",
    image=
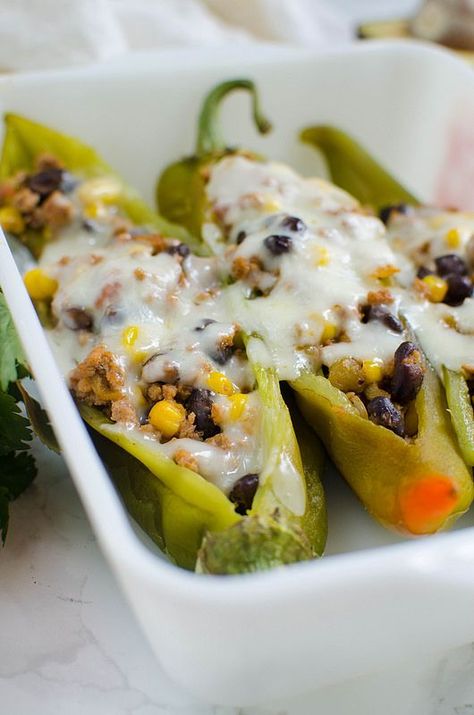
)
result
[(335, 259), (324, 277), (446, 333)]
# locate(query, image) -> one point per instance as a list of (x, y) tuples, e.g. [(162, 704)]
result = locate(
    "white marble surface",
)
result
[(69, 643)]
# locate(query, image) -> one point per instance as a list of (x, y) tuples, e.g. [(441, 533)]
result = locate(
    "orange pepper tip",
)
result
[(426, 504)]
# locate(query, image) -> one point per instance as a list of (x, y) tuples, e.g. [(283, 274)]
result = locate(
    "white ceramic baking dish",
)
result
[(246, 639)]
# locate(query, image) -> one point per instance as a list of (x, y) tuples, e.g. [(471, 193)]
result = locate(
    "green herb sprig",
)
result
[(17, 464)]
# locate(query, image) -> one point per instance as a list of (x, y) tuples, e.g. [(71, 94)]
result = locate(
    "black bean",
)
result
[(408, 373), (293, 223), (459, 288), (278, 244), (243, 492), (405, 350), (179, 249), (77, 319), (450, 263), (90, 226), (203, 324), (422, 272), (386, 212), (383, 412), (222, 354), (45, 182), (200, 402), (383, 315), (241, 236)]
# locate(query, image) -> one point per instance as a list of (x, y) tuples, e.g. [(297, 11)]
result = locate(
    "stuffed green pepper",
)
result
[(181, 188), (312, 275), (436, 251), (197, 433)]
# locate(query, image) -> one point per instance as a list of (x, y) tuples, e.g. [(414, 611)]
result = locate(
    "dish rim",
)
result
[(415, 557)]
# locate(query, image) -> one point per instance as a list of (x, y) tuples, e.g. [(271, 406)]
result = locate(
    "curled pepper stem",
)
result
[(209, 139)]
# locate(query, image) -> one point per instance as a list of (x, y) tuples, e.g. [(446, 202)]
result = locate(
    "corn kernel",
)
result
[(237, 405), (218, 382), (39, 285), (271, 205), (95, 209), (346, 374), (166, 416), (103, 189), (11, 220), (373, 370), (129, 335), (140, 356), (322, 256), (435, 288), (453, 238), (329, 331)]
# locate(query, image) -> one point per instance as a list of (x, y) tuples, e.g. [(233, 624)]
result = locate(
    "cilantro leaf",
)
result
[(14, 428), (11, 353), (18, 471), (38, 418), (18, 467)]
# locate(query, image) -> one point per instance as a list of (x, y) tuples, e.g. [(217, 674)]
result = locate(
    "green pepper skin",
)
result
[(272, 534), (25, 140), (180, 191), (416, 486), (190, 518), (462, 413), (353, 169), (253, 544), (175, 506)]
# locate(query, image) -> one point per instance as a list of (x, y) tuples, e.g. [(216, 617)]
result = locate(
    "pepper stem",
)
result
[(209, 139)]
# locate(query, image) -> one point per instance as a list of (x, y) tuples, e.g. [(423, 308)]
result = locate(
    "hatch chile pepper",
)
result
[(185, 513), (177, 507), (180, 192), (416, 486), (25, 140), (353, 169)]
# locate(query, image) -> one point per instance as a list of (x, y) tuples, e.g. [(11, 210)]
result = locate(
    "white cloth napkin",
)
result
[(39, 34)]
